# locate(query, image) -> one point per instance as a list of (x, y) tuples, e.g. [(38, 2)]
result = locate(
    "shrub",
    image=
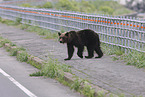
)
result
[(26, 5), (47, 5), (106, 9)]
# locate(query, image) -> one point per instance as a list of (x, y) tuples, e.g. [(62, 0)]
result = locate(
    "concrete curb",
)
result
[(68, 77)]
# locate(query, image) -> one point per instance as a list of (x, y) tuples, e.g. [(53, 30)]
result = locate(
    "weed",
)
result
[(77, 84), (132, 58), (0, 19), (111, 50), (54, 69), (38, 66), (5, 41), (8, 22), (39, 73), (1, 38), (88, 90), (135, 58), (24, 26), (101, 94), (51, 36), (22, 56), (83, 87), (17, 21), (13, 51), (114, 58)]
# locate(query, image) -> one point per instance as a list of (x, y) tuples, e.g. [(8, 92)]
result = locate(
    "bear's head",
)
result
[(63, 37), (66, 37)]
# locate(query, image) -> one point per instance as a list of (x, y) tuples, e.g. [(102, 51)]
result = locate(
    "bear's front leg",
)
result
[(80, 51), (90, 51), (70, 50)]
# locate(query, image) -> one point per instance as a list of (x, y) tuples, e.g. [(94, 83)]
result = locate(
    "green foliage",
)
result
[(83, 87), (64, 4), (54, 69), (25, 5), (95, 6), (77, 84), (101, 94), (8, 22), (24, 26), (1, 38), (18, 21), (135, 58), (13, 52), (132, 58), (5, 41), (39, 73), (106, 9), (0, 19), (88, 90), (40, 31), (111, 50), (38, 66), (22, 56), (46, 5)]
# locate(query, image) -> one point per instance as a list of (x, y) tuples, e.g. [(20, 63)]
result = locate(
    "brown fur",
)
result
[(79, 39)]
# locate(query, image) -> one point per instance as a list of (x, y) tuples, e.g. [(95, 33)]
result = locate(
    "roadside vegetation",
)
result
[(91, 6), (133, 57)]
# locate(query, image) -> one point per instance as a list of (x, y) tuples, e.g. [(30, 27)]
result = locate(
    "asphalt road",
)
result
[(16, 82), (113, 76)]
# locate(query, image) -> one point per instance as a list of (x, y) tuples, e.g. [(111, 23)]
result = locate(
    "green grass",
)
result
[(134, 58), (23, 56), (39, 31), (54, 69), (38, 66), (111, 50)]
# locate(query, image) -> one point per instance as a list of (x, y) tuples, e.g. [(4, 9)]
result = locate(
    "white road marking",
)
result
[(25, 90)]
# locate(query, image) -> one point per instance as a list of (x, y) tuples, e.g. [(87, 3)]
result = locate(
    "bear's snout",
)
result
[(60, 41)]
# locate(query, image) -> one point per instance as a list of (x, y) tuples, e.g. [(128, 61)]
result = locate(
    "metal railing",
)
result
[(127, 33)]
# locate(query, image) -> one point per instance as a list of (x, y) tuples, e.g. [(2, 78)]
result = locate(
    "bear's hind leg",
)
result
[(90, 52), (99, 52)]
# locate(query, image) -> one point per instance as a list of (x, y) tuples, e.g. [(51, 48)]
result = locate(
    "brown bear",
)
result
[(79, 39)]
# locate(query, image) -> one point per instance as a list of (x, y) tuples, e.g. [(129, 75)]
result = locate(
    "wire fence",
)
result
[(125, 32)]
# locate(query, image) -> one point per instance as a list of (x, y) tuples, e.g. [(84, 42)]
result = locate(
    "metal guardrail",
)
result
[(127, 33)]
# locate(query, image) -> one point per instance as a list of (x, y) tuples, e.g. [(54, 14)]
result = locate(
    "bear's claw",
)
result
[(88, 57), (67, 59)]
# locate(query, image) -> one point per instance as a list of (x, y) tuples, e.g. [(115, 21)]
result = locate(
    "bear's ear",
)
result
[(66, 33), (59, 33)]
